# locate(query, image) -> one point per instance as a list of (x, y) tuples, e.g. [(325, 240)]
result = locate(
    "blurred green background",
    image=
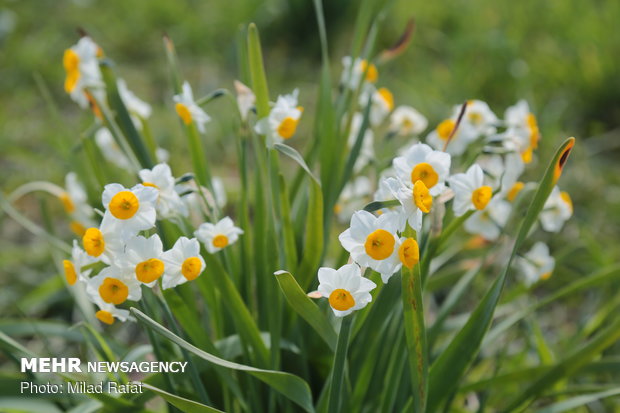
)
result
[(562, 56)]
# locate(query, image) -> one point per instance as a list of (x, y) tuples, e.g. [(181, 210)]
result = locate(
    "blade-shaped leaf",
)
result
[(306, 308), (568, 366), (291, 386), (296, 156), (579, 401), (186, 405), (313, 239), (447, 369)]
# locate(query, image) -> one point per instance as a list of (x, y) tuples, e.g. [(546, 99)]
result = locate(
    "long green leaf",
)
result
[(451, 364), (415, 333), (569, 365), (296, 156), (257, 72), (244, 323), (603, 276), (186, 405), (314, 237), (306, 308), (578, 401), (291, 386)]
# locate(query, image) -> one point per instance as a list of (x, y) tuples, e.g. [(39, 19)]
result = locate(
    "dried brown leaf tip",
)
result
[(401, 44), (559, 166)]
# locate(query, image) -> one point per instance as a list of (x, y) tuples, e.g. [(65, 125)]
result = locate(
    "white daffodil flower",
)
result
[(81, 63), (479, 116), (354, 71), (557, 210), (108, 313), (470, 193), (367, 151), (104, 243), (73, 267), (245, 99), (134, 105), (188, 110), (218, 236), (281, 123), (352, 198), (421, 163), (372, 242), (415, 200), (407, 121), (381, 104), (168, 203), (439, 137), (502, 170), (144, 256), (345, 289), (522, 133), (489, 222), (114, 285), (183, 263), (536, 264), (131, 210)]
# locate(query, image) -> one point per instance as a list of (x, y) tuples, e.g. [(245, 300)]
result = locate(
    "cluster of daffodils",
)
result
[(128, 254), (470, 163), (123, 253)]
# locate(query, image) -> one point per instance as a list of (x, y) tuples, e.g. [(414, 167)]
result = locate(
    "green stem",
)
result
[(339, 365), (415, 332)]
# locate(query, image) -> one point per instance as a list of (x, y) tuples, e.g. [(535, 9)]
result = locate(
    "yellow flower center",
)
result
[(113, 291), (387, 97), (514, 191), (481, 197), (407, 126), (546, 275), (566, 198), (67, 203), (191, 268), (184, 113), (124, 205), (70, 273), (77, 228), (422, 197), (152, 185), (371, 71), (409, 253), (426, 173), (105, 317), (532, 124), (71, 62), (475, 118), (287, 127), (341, 300), (379, 244), (149, 270), (337, 208), (93, 241), (526, 155), (445, 128), (220, 241)]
